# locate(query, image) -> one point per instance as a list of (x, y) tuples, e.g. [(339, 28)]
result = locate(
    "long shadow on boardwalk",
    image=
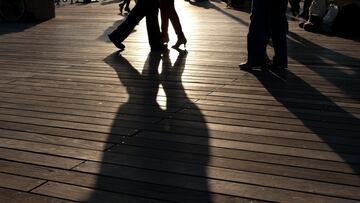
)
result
[(153, 162), (345, 72), (337, 128)]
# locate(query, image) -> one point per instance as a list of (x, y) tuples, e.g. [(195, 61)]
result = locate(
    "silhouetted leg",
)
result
[(164, 4), (150, 76), (305, 13), (125, 28), (295, 6), (258, 35), (279, 31), (127, 7), (174, 18), (152, 24)]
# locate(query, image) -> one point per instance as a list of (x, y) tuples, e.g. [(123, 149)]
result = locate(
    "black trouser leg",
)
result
[(278, 24), (295, 6), (125, 28), (258, 35), (152, 24)]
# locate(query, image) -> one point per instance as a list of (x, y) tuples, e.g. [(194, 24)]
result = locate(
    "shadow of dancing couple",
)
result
[(150, 9), (158, 160)]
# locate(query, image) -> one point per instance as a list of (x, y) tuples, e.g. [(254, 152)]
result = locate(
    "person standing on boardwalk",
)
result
[(125, 3), (143, 8), (268, 19), (168, 12)]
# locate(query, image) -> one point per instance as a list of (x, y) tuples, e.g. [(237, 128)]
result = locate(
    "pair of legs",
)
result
[(125, 3), (295, 8), (168, 12), (143, 8), (317, 11), (268, 19)]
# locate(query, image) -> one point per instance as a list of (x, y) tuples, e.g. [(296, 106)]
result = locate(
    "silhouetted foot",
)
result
[(180, 41), (121, 7), (248, 66), (116, 42), (301, 25), (311, 27)]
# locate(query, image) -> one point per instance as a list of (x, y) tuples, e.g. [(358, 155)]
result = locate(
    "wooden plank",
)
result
[(243, 155), (219, 134), (54, 131), (124, 186), (19, 182), (70, 152), (219, 186), (90, 116), (243, 118), (242, 165), (13, 196), (311, 115), (96, 155), (49, 139), (74, 117), (71, 102), (38, 159), (121, 130), (81, 194), (257, 131), (306, 142), (182, 168), (321, 128)]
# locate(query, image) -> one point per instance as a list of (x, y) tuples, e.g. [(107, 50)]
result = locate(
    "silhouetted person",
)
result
[(125, 3), (268, 19), (143, 8), (305, 12), (295, 7), (317, 11), (168, 12)]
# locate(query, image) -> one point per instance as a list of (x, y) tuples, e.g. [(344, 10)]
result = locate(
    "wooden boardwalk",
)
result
[(80, 122)]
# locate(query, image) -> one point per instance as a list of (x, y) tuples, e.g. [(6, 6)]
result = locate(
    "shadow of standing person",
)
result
[(320, 117), (158, 161)]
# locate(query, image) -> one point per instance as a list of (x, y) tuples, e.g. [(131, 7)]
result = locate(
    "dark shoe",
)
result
[(313, 24), (116, 42), (248, 66), (301, 25), (311, 27), (180, 41)]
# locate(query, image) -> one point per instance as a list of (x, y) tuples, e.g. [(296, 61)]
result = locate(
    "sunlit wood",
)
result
[(80, 121)]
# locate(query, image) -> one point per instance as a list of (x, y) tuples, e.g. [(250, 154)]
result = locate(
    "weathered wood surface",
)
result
[(80, 122)]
